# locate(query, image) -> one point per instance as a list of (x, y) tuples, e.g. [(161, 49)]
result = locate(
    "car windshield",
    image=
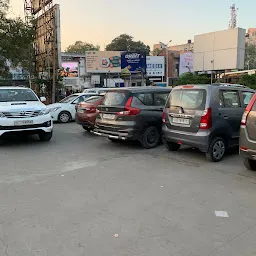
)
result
[(7, 95), (69, 99), (188, 99)]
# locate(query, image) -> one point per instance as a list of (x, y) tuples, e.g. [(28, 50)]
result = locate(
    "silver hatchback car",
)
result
[(206, 117)]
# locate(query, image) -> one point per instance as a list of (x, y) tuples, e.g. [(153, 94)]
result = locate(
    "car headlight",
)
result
[(53, 109), (44, 112)]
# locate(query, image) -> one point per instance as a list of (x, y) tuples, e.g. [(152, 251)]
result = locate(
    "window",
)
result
[(230, 99), (160, 99), (17, 95), (143, 99), (79, 99), (115, 99), (247, 97), (188, 99), (93, 99)]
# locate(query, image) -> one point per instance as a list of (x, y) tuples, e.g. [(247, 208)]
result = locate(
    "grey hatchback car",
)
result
[(248, 135), (206, 117)]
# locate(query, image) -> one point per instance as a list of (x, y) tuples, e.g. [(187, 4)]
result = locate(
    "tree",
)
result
[(82, 47), (190, 78), (125, 42), (248, 80), (16, 41), (157, 51), (250, 56)]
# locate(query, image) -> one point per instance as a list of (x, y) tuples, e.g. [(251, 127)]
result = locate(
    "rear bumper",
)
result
[(247, 147), (120, 134), (85, 121), (198, 140)]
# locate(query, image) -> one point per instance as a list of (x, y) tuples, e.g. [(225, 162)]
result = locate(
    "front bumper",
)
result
[(198, 140), (40, 123)]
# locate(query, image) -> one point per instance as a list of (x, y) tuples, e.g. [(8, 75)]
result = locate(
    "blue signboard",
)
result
[(135, 62)]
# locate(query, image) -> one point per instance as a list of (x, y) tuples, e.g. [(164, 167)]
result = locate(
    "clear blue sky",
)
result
[(151, 21)]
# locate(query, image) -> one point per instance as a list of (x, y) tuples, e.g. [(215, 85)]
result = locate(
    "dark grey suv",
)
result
[(133, 113), (206, 117)]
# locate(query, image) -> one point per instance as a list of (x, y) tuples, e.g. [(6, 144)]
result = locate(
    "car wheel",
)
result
[(86, 128), (45, 136), (217, 150), (150, 137), (64, 117), (171, 146), (250, 164)]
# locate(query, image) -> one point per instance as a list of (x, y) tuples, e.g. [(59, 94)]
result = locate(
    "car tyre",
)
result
[(150, 137), (171, 146), (45, 136), (86, 128), (250, 164), (216, 150), (64, 117)]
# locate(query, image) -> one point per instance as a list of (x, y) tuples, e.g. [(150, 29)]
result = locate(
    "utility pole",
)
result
[(165, 46)]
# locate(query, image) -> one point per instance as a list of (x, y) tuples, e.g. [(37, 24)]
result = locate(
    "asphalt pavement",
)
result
[(81, 195)]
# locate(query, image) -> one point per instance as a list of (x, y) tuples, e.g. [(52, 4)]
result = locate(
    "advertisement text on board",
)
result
[(132, 56)]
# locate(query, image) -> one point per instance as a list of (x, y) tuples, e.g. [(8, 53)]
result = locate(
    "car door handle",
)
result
[(225, 117)]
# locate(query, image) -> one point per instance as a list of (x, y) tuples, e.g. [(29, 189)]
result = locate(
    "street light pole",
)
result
[(167, 61)]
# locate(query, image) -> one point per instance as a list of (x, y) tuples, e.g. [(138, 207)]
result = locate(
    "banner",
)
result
[(135, 62), (155, 66), (69, 69), (103, 62), (186, 63)]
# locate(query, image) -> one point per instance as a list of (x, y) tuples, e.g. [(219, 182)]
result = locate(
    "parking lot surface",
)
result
[(83, 195)]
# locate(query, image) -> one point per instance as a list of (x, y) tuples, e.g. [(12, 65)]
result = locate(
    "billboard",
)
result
[(103, 62), (38, 5), (134, 62), (69, 69), (47, 41), (155, 66), (220, 50), (186, 63)]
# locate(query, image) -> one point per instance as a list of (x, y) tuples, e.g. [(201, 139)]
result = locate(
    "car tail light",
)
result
[(206, 120), (164, 117), (128, 110), (248, 110)]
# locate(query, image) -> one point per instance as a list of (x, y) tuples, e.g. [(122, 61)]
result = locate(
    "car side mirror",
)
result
[(43, 99)]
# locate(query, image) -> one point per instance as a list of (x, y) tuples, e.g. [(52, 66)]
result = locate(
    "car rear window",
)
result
[(93, 99), (115, 99), (188, 99)]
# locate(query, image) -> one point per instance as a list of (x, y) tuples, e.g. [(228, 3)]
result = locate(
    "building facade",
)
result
[(251, 36)]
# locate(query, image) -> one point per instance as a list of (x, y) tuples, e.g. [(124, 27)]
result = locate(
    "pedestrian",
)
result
[(68, 93)]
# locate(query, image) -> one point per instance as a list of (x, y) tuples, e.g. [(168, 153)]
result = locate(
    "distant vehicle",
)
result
[(87, 112), (206, 117), (132, 113), (248, 135), (22, 112), (65, 110)]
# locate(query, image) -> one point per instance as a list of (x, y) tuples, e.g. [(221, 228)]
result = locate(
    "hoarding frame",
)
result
[(38, 5)]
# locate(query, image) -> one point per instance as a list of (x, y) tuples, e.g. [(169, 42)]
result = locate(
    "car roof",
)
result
[(220, 85), (13, 87), (144, 88)]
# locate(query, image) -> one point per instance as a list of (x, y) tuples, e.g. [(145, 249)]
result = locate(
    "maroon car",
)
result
[(86, 112)]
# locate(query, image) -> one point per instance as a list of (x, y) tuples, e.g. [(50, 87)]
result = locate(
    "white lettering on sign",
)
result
[(132, 56)]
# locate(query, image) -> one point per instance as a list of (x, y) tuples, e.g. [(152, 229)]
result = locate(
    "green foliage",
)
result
[(157, 51), (125, 42), (82, 47), (190, 78), (248, 80), (16, 41), (250, 56)]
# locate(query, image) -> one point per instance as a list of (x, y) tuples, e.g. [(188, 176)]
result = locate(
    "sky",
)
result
[(151, 21)]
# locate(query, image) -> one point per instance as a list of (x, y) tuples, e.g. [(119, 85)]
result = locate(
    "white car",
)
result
[(21, 111), (65, 110), (96, 90)]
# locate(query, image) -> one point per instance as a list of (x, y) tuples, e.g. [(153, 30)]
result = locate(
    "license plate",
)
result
[(108, 116), (23, 122), (180, 120)]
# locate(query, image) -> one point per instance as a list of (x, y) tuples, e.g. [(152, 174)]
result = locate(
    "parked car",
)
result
[(206, 117), (22, 112), (65, 110), (248, 135), (132, 114), (87, 112)]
